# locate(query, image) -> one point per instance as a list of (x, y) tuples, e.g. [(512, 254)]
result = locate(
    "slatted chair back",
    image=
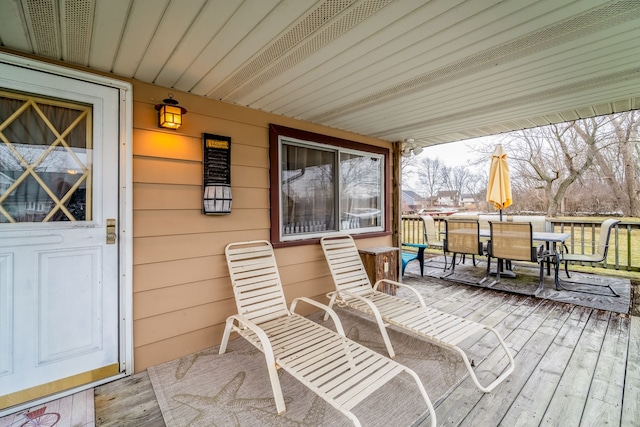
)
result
[(345, 264), (256, 282), (463, 237), (512, 240)]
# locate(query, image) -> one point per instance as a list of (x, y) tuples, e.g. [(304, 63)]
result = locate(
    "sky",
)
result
[(452, 154), (457, 153)]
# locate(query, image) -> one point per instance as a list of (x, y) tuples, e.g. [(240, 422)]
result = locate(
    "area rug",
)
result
[(233, 389), (578, 289), (76, 410)]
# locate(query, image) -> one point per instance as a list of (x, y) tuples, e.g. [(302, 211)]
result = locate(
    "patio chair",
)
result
[(514, 241), (462, 237), (339, 370), (538, 222), (599, 255), (432, 236), (354, 290), (407, 255)]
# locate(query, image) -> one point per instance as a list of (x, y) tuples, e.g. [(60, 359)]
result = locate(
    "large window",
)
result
[(322, 185)]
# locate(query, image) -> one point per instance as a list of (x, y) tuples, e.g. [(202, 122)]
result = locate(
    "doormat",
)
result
[(233, 389), (75, 410)]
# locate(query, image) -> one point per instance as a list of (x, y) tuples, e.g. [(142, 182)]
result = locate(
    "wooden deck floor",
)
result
[(575, 366)]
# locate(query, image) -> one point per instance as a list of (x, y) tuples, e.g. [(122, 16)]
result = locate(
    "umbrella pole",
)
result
[(504, 272), (500, 261)]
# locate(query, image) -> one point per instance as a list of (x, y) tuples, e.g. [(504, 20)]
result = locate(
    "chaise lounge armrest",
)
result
[(328, 312), (401, 285)]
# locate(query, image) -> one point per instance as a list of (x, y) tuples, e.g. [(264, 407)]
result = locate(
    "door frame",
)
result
[(125, 212)]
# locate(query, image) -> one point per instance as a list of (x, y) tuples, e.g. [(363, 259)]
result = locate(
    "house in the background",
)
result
[(412, 201), (467, 201), (448, 198)]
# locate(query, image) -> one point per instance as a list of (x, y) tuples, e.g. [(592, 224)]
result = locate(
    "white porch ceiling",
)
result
[(436, 71)]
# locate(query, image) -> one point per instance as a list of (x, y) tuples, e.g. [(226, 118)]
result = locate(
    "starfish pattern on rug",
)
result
[(187, 362), (314, 417), (223, 406)]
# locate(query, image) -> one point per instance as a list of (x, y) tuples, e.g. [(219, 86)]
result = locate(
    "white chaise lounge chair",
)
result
[(354, 290), (337, 369)]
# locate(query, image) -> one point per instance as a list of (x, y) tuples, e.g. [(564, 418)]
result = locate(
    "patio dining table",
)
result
[(550, 239)]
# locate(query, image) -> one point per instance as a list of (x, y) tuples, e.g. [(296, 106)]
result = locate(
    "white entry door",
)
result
[(59, 288)]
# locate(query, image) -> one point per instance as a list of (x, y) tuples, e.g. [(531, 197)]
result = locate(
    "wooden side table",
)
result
[(381, 263)]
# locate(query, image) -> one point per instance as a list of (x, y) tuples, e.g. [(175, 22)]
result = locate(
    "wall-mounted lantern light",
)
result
[(169, 114)]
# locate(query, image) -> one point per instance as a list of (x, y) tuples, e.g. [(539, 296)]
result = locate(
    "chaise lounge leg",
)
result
[(225, 336), (500, 378), (332, 300)]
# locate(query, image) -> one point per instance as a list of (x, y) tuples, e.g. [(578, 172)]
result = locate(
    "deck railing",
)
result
[(624, 242)]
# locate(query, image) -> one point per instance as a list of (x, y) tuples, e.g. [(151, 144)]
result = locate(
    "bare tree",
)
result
[(407, 163), (554, 157), (589, 165), (455, 180), (618, 162), (476, 186), (430, 176)]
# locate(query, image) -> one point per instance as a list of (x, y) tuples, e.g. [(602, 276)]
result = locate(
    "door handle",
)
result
[(111, 231)]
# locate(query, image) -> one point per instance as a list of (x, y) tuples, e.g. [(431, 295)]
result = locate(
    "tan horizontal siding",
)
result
[(182, 293), (181, 147), (168, 248), (171, 273), (304, 271), (169, 196), (170, 324), (163, 171), (180, 297), (162, 351), (175, 146), (163, 222)]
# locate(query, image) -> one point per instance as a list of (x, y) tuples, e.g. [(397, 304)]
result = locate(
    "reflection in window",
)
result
[(360, 191), (311, 177), (45, 160)]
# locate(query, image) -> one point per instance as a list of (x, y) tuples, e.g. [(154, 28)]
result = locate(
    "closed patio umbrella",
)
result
[(499, 189)]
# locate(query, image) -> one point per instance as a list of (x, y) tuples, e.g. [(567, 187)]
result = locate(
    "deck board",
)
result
[(532, 401), (129, 402), (574, 365), (630, 407), (526, 319), (541, 331), (571, 395), (605, 394)]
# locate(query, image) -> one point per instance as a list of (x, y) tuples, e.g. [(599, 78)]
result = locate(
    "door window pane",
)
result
[(45, 160)]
